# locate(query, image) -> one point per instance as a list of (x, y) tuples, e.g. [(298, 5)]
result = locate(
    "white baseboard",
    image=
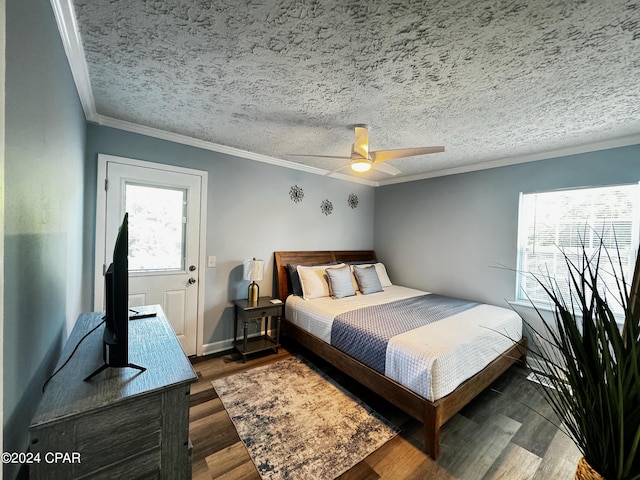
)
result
[(221, 346), (217, 347)]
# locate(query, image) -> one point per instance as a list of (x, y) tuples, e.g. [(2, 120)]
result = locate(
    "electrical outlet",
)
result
[(211, 261)]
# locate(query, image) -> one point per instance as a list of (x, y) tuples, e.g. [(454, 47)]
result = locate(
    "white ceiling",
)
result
[(495, 82)]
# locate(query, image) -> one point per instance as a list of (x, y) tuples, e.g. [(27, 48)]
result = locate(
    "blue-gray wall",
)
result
[(44, 174), (450, 234), (249, 214)]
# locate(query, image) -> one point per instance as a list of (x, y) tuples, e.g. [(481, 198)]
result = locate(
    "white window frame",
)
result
[(525, 217)]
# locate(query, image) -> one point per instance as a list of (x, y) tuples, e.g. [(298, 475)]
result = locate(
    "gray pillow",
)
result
[(367, 278), (340, 284), (295, 288)]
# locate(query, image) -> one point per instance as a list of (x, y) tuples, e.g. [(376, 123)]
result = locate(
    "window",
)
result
[(555, 224), (156, 227)]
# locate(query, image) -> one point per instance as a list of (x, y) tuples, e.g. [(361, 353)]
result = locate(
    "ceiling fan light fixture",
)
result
[(361, 166)]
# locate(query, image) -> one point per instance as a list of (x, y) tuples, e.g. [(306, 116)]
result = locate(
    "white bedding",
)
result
[(431, 360)]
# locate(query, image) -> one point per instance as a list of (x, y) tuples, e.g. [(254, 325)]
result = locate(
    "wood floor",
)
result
[(497, 436)]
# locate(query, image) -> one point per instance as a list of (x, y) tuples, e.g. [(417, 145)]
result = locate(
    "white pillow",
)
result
[(382, 275), (313, 281)]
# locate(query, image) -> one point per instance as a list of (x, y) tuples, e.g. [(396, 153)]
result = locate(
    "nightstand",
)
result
[(254, 314)]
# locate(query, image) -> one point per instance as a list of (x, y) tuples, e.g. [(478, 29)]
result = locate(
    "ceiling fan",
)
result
[(362, 160)]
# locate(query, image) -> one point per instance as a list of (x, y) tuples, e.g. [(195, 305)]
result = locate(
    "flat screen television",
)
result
[(115, 340), (116, 287)]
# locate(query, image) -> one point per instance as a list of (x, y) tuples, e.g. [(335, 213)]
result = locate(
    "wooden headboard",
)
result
[(312, 257)]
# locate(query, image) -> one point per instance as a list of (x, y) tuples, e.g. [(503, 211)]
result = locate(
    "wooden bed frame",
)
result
[(432, 414)]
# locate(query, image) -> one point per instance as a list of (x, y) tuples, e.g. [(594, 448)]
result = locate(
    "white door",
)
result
[(164, 207)]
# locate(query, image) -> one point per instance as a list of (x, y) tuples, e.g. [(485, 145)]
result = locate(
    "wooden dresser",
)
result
[(123, 423)]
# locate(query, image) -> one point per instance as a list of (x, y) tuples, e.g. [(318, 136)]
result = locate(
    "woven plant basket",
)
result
[(585, 472)]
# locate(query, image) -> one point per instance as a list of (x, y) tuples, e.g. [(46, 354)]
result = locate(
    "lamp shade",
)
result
[(253, 270)]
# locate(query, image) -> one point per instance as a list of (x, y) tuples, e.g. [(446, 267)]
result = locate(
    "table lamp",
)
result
[(253, 270)]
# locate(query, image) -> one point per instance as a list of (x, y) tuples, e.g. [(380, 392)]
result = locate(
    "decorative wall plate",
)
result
[(296, 193), (352, 200), (327, 207)]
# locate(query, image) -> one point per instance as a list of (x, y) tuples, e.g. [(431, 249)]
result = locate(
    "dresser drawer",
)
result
[(110, 436), (263, 312), (142, 466)]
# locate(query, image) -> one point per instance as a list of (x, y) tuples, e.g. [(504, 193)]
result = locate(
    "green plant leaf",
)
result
[(593, 366)]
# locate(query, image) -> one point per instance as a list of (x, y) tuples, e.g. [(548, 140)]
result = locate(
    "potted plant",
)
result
[(592, 365)]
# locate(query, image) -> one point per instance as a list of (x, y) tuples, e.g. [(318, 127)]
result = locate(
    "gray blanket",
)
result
[(364, 333)]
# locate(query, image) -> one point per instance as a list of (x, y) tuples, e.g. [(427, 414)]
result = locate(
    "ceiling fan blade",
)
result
[(384, 155), (330, 172), (319, 156), (361, 142), (386, 168)]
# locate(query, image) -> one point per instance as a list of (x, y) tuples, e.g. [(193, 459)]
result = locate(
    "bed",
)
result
[(314, 320)]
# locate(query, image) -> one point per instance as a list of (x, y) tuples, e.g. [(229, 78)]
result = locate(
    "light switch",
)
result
[(211, 261)]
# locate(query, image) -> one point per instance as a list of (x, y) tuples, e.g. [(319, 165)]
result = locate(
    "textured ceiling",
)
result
[(489, 80)]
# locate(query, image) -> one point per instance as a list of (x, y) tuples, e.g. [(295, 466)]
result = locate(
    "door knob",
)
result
[(192, 281), (192, 268)]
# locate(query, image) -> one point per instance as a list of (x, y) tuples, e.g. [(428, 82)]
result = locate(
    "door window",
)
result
[(156, 228)]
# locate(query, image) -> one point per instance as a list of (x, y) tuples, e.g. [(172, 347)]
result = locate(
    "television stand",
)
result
[(106, 365), (121, 424), (115, 353)]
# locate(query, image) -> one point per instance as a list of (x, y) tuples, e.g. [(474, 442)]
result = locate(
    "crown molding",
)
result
[(352, 179), (505, 162), (66, 20)]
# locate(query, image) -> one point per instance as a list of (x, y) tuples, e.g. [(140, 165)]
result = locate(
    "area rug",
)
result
[(297, 423)]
